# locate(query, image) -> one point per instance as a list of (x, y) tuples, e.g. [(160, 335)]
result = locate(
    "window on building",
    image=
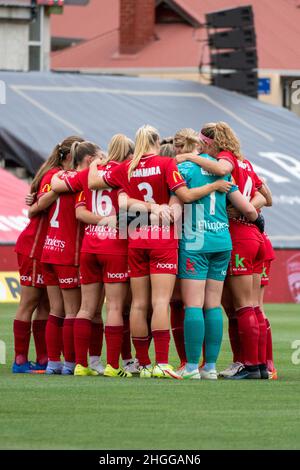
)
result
[(35, 41)]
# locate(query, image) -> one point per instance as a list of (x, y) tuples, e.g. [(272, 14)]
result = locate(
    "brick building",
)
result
[(166, 38)]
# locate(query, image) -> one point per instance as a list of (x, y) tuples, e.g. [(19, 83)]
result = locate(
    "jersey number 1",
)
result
[(212, 205)]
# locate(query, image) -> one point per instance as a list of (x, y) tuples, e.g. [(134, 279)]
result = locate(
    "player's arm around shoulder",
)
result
[(243, 205)]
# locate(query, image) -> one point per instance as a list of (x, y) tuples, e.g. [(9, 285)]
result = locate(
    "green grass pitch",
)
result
[(40, 412)]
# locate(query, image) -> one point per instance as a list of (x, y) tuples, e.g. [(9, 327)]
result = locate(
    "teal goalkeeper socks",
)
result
[(193, 334), (213, 320)]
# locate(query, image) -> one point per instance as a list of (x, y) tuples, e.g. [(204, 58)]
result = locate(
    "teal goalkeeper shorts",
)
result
[(202, 266)]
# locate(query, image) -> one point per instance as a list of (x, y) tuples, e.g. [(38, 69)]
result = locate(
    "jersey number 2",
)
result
[(54, 222)]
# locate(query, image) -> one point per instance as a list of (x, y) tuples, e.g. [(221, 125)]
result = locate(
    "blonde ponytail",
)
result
[(224, 138), (74, 149), (145, 138), (187, 140), (120, 147)]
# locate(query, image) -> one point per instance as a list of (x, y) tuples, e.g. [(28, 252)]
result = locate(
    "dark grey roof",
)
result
[(43, 108)]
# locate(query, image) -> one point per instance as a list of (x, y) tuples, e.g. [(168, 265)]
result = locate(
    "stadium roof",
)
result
[(177, 45), (43, 108)]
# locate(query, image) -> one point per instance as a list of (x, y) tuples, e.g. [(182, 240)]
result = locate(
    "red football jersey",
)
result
[(243, 173), (248, 182), (31, 240), (103, 202), (270, 253), (152, 180), (64, 234)]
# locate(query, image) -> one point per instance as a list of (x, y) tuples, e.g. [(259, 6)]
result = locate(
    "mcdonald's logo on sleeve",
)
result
[(80, 197), (177, 176), (46, 188)]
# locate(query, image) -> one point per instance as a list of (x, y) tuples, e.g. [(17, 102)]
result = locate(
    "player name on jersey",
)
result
[(145, 172)]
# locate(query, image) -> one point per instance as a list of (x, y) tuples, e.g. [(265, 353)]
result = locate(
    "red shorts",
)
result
[(31, 271), (101, 267), (66, 277), (143, 262), (247, 257), (265, 272)]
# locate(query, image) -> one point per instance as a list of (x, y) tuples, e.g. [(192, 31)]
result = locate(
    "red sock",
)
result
[(142, 350), (126, 343), (39, 335), (234, 337), (270, 362), (54, 339), (96, 339), (249, 335), (114, 338), (82, 335), (22, 331), (177, 320), (68, 338), (262, 342), (161, 343)]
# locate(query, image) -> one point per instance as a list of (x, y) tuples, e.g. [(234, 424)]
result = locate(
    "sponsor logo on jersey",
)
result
[(190, 265), (239, 262), (206, 173), (177, 176), (117, 275), (101, 231), (68, 174), (264, 274), (54, 244), (145, 172), (205, 225), (102, 172), (81, 197), (166, 266), (244, 165), (46, 188), (39, 279), (68, 280)]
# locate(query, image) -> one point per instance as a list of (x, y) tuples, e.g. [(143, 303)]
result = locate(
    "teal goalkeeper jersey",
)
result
[(205, 223)]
